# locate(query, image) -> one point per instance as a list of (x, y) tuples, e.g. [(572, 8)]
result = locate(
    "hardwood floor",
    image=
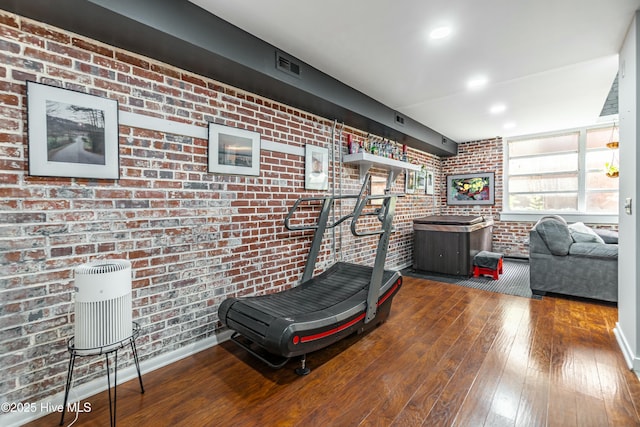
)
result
[(447, 356)]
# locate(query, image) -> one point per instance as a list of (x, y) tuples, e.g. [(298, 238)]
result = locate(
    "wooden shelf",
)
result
[(366, 161)]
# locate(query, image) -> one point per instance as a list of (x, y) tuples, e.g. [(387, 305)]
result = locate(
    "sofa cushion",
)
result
[(594, 250), (583, 234), (609, 236), (555, 235)]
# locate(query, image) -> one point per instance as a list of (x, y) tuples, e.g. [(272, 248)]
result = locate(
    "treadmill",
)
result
[(321, 310)]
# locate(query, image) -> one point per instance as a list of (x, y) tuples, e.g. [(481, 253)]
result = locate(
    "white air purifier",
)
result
[(103, 304)]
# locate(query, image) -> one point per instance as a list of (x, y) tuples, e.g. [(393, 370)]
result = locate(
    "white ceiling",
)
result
[(550, 62)]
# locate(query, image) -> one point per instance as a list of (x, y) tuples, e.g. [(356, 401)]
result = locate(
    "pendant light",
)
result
[(612, 168)]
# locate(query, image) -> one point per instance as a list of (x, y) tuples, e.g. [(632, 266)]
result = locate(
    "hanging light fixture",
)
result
[(612, 168)]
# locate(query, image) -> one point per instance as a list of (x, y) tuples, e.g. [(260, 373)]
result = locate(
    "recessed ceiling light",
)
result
[(440, 33), (509, 125), (477, 82), (497, 108)]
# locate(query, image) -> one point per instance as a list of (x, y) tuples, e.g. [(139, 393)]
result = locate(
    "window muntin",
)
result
[(543, 164), (562, 172)]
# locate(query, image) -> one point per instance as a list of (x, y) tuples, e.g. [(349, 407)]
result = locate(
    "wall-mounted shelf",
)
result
[(366, 161)]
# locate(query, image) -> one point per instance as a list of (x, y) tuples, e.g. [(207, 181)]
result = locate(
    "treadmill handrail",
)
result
[(380, 212), (384, 214), (298, 202), (288, 226)]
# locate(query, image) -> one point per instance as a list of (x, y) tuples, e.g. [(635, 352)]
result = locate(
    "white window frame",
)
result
[(580, 215)]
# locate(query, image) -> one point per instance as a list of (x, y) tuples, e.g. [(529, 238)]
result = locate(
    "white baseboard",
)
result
[(53, 403), (627, 352)]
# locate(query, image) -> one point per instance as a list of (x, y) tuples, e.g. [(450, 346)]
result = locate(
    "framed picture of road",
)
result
[(71, 134)]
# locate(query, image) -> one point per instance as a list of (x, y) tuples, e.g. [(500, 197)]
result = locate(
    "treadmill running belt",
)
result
[(316, 294)]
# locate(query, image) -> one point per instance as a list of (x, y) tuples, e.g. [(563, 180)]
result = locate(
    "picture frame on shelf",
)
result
[(233, 151), (316, 161), (471, 189), (71, 134)]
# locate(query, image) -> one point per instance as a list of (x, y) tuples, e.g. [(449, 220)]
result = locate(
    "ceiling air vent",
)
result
[(287, 65)]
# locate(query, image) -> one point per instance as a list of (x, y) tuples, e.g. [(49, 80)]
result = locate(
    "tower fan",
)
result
[(103, 304)]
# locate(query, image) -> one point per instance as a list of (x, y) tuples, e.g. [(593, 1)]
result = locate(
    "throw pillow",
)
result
[(583, 234), (555, 234), (608, 236)]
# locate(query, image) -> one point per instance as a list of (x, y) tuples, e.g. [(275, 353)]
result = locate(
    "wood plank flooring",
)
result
[(447, 356)]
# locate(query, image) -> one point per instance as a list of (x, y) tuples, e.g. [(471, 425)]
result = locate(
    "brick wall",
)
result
[(193, 237), (510, 238)]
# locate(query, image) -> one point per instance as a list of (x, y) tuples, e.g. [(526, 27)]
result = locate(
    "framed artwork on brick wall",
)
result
[(233, 151), (410, 181), (421, 180), (377, 186), (429, 184), (470, 189), (316, 167), (71, 134)]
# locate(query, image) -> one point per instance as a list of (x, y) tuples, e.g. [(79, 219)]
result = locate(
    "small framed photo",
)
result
[(421, 177), (429, 184), (71, 134), (470, 189), (410, 181), (316, 162), (233, 151), (377, 186)]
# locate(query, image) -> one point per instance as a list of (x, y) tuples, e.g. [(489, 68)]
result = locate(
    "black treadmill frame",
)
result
[(304, 336)]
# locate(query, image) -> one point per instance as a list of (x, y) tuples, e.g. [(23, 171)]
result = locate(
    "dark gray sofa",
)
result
[(572, 261)]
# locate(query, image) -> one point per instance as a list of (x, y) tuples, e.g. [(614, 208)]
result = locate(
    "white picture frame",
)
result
[(430, 184), (410, 181), (421, 177), (233, 151), (71, 134), (377, 187), (316, 162)]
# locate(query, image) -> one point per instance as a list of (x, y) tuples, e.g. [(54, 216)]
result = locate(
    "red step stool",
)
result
[(489, 263)]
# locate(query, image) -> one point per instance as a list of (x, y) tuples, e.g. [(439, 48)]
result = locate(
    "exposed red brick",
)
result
[(133, 60), (198, 81), (112, 86), (165, 70), (68, 51), (149, 75), (9, 19), (36, 29), (111, 64), (89, 46)]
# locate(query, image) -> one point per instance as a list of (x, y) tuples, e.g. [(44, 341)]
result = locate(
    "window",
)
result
[(562, 173)]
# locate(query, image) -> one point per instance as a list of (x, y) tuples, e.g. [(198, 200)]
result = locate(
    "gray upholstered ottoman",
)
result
[(486, 262)]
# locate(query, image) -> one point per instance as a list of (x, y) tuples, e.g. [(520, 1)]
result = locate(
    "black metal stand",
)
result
[(106, 350)]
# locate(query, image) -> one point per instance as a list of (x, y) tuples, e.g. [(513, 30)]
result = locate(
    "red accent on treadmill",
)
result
[(337, 329), (389, 293), (332, 331), (296, 339)]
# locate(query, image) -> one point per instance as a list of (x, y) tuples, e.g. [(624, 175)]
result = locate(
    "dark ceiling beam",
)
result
[(182, 34)]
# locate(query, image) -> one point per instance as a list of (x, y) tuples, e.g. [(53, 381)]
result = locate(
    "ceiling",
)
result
[(550, 63)]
